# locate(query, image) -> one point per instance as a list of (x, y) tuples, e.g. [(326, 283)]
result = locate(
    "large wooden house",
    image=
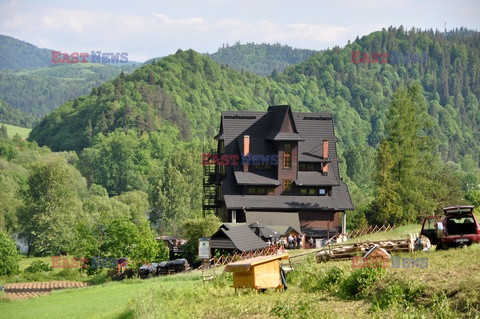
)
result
[(279, 168)]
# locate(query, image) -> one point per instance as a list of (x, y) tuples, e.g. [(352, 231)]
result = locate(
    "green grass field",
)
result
[(447, 288), (12, 130)]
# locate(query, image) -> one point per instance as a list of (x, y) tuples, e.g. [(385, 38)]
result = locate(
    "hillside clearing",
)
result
[(12, 130)]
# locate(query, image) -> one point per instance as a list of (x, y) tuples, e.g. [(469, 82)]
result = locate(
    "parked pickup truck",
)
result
[(457, 227)]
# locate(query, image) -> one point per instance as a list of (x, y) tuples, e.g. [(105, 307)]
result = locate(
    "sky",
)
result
[(147, 28)]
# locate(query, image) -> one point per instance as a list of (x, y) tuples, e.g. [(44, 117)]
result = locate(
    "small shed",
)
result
[(236, 239), (258, 273)]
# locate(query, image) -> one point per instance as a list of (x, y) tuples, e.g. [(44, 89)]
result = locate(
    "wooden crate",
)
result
[(257, 273)]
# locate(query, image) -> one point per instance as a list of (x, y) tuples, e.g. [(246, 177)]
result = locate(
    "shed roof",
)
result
[(241, 238)]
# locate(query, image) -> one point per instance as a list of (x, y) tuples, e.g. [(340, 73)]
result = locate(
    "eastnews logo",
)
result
[(394, 57), (95, 57), (250, 159), (97, 262), (393, 262)]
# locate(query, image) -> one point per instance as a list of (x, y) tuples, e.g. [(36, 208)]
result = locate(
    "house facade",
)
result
[(280, 168)]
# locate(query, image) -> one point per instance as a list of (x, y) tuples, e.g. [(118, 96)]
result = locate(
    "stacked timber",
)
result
[(340, 252)]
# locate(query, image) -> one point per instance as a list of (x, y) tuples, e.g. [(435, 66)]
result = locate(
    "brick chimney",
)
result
[(325, 156), (246, 150)]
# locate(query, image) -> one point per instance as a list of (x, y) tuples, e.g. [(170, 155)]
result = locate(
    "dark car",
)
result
[(457, 227)]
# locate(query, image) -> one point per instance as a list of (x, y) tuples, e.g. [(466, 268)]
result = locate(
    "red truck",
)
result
[(456, 228)]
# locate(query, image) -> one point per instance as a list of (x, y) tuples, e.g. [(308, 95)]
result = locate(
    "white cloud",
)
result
[(157, 28)]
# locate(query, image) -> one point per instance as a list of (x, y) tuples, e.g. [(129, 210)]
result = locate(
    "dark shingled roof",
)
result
[(274, 218), (241, 238), (263, 232), (339, 201), (256, 178), (309, 129), (306, 178)]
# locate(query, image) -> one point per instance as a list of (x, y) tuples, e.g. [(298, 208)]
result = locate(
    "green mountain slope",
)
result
[(261, 59), (358, 94), (450, 79), (20, 55), (37, 92), (12, 116), (187, 89), (29, 82)]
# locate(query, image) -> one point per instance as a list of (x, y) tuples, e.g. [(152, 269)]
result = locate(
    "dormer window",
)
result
[(287, 156)]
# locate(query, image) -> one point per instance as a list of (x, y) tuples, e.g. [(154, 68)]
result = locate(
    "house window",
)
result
[(287, 156), (311, 191), (306, 167), (221, 146), (287, 184), (303, 191), (322, 192), (252, 190), (261, 167)]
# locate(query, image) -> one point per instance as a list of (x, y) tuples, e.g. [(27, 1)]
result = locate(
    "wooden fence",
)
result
[(223, 260), (369, 230)]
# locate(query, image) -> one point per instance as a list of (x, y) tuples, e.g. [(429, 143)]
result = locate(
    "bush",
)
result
[(9, 256), (313, 278), (38, 266), (360, 280), (397, 293)]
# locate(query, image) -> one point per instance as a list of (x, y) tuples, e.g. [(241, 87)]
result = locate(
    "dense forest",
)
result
[(12, 116), (37, 92), (409, 133), (20, 55), (261, 59), (30, 83)]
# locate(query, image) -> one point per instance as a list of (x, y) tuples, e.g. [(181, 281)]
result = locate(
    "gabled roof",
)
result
[(274, 218), (241, 238), (266, 178), (262, 231), (279, 123), (312, 178), (285, 230)]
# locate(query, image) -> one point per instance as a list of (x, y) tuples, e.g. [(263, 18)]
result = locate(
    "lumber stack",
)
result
[(347, 251)]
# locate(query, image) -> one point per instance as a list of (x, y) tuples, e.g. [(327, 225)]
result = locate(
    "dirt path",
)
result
[(24, 290)]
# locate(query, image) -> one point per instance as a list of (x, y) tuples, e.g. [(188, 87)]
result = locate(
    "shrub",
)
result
[(38, 266), (397, 293), (360, 280), (313, 278), (9, 256)]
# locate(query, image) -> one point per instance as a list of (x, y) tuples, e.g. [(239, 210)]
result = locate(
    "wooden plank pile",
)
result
[(347, 251)]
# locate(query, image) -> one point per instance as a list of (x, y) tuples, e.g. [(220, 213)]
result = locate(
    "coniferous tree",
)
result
[(3, 132)]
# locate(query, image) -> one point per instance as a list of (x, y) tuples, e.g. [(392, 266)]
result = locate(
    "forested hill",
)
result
[(261, 59), (30, 83), (357, 93), (37, 92), (12, 116), (20, 55), (187, 89), (360, 93)]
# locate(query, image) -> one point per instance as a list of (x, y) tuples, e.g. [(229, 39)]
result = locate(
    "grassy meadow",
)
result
[(12, 130), (447, 288)]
